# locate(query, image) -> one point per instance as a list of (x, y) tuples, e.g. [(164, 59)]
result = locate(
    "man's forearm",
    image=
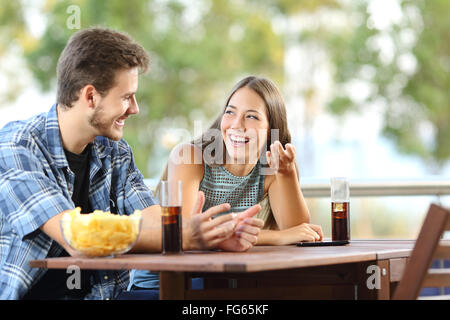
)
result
[(53, 230), (150, 237)]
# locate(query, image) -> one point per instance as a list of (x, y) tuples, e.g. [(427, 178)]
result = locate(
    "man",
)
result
[(74, 155)]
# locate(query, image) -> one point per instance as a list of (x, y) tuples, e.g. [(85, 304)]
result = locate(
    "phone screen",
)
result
[(323, 243)]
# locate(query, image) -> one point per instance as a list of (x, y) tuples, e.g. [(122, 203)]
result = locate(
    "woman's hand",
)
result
[(203, 231), (228, 232), (303, 232), (281, 160), (246, 232)]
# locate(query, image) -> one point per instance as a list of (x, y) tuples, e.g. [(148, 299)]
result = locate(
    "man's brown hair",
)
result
[(92, 56)]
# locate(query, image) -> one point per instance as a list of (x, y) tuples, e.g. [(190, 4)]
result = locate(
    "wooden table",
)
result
[(364, 269)]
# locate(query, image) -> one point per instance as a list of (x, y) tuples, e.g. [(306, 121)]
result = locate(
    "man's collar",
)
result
[(101, 147), (54, 140)]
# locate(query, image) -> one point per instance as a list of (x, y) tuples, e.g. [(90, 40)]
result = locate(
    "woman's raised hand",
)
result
[(280, 159)]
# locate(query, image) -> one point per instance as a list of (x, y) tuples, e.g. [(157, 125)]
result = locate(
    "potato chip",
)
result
[(100, 233)]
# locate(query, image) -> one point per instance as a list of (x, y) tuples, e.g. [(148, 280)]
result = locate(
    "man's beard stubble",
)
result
[(104, 127)]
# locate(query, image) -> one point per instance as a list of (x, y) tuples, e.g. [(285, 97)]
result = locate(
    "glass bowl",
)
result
[(100, 234)]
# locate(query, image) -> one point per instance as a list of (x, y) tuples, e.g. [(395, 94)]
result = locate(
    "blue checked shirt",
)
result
[(37, 184)]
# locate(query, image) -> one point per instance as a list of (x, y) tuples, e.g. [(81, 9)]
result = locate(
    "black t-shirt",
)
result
[(53, 285), (79, 165)]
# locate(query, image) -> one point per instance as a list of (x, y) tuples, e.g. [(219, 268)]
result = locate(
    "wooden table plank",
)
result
[(397, 267), (387, 248), (374, 280), (266, 271), (257, 259), (260, 258)]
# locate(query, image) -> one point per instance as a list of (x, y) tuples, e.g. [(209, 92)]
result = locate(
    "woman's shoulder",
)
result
[(187, 156), (187, 153)]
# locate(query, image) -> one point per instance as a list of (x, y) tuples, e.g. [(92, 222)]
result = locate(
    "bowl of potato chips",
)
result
[(100, 234)]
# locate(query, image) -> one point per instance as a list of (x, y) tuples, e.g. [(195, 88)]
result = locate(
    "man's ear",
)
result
[(88, 95)]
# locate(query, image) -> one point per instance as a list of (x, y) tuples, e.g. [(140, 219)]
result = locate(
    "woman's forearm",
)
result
[(301, 232), (269, 238), (288, 201)]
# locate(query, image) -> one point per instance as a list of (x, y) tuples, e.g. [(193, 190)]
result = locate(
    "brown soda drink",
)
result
[(171, 230), (340, 220), (171, 225)]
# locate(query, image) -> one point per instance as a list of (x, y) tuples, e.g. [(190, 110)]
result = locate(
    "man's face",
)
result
[(112, 110)]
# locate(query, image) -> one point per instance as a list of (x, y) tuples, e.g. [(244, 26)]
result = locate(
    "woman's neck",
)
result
[(240, 170)]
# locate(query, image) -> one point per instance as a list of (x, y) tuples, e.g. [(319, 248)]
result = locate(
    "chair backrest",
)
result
[(428, 247)]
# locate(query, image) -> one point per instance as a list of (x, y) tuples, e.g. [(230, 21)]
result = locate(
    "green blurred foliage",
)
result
[(200, 48), (288, 7), (196, 49), (430, 86), (414, 101), (12, 23), (12, 33)]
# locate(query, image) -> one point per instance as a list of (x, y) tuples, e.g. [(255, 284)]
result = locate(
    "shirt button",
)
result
[(105, 277)]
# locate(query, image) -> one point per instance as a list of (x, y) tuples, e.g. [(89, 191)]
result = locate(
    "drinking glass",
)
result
[(171, 218), (340, 209)]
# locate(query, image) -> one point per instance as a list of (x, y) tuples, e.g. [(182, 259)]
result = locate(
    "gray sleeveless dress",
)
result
[(219, 186)]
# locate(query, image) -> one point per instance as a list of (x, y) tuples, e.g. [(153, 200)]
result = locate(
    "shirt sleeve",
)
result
[(137, 195), (28, 197)]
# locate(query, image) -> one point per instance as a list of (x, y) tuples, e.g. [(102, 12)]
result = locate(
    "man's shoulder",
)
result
[(23, 131)]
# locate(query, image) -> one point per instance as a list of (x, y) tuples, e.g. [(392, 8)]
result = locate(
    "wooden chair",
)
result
[(428, 247)]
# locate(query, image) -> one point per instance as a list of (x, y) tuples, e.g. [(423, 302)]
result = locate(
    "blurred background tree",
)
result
[(197, 48), (13, 37), (200, 48), (399, 62), (338, 57)]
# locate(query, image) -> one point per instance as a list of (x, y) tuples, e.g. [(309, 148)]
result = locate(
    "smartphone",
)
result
[(323, 243)]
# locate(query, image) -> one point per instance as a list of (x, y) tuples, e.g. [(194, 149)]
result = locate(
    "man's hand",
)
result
[(246, 233), (203, 231), (228, 232)]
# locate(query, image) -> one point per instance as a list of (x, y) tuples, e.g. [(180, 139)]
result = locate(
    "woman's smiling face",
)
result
[(244, 126)]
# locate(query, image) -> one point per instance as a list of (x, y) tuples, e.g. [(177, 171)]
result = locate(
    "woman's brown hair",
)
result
[(275, 108), (276, 115)]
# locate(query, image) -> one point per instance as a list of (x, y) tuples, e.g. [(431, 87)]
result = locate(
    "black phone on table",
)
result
[(323, 243)]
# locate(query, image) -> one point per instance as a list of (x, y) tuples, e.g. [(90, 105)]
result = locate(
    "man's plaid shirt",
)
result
[(37, 184)]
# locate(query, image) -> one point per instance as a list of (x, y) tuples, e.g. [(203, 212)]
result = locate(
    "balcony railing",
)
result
[(378, 188), (319, 188)]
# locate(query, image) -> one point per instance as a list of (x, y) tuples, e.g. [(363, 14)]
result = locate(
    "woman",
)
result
[(227, 164), (233, 162)]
